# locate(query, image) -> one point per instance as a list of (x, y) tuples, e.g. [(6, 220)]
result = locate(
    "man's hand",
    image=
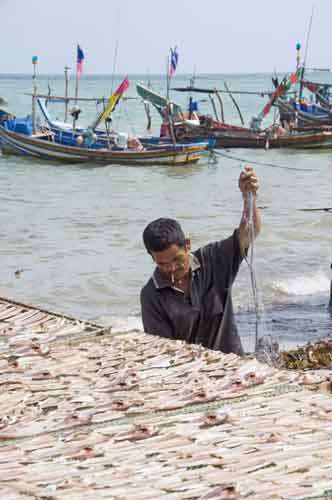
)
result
[(248, 181)]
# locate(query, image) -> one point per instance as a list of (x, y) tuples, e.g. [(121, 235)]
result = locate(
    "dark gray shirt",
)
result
[(204, 315)]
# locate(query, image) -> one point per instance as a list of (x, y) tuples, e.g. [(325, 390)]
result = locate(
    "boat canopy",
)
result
[(157, 100)]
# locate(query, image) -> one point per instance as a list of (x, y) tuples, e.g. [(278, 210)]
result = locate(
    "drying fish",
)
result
[(222, 493), (121, 405), (218, 417), (81, 418), (137, 433), (208, 425)]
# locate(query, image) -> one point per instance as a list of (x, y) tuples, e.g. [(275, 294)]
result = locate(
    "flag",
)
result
[(174, 58), (112, 102), (79, 61), (282, 88), (313, 87)]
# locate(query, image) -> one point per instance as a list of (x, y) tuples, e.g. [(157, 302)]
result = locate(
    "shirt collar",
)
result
[(160, 282)]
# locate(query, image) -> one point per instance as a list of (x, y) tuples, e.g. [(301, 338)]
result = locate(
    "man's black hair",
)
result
[(162, 233)]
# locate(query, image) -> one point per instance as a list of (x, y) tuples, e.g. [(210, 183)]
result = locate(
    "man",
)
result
[(189, 294)]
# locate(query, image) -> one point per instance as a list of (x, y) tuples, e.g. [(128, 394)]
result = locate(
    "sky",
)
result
[(134, 36)]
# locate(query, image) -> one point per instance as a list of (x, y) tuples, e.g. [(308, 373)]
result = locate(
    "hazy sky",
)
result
[(213, 36)]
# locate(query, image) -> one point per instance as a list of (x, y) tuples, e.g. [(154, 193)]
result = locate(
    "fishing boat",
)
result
[(307, 113), (187, 125), (66, 144), (272, 137), (65, 134), (42, 145), (275, 136), (304, 114)]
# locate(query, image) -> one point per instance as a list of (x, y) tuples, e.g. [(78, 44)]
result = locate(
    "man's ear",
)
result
[(188, 244)]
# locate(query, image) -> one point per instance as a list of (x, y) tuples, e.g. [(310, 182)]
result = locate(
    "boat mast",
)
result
[(108, 119), (306, 53), (34, 92)]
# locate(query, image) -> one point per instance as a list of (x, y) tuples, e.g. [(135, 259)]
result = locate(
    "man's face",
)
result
[(173, 262)]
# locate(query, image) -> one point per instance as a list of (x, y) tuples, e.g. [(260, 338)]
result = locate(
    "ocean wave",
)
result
[(303, 285)]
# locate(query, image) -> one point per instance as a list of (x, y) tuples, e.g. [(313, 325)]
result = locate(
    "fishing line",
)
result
[(250, 259), (242, 160), (266, 348)]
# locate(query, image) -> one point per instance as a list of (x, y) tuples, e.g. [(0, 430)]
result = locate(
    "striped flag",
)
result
[(112, 102), (174, 58), (79, 61)]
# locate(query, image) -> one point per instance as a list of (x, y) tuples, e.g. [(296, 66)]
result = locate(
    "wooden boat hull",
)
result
[(13, 142), (310, 139)]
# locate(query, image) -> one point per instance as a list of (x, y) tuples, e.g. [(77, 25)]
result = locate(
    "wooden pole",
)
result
[(66, 92), (298, 55), (234, 102), (221, 105), (213, 107)]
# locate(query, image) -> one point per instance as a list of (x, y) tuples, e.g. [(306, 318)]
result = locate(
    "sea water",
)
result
[(75, 232)]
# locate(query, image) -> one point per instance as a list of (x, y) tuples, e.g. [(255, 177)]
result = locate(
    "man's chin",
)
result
[(179, 277)]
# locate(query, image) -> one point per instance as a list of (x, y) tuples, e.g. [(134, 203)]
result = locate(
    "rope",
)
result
[(265, 347), (250, 263), (252, 162)]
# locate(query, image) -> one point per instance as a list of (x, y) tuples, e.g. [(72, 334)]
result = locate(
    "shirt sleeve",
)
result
[(154, 319), (225, 257)]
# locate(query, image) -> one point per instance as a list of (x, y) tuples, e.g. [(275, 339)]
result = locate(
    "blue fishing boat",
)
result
[(65, 134), (18, 136), (307, 113)]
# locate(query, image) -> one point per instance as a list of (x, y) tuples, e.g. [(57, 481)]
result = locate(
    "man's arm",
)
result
[(153, 318), (248, 184)]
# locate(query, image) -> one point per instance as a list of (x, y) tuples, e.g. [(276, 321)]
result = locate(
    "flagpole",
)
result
[(76, 84), (34, 93), (79, 61), (66, 92), (168, 83), (75, 115), (168, 104)]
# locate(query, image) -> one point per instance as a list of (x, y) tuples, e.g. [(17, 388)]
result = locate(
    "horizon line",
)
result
[(148, 75)]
